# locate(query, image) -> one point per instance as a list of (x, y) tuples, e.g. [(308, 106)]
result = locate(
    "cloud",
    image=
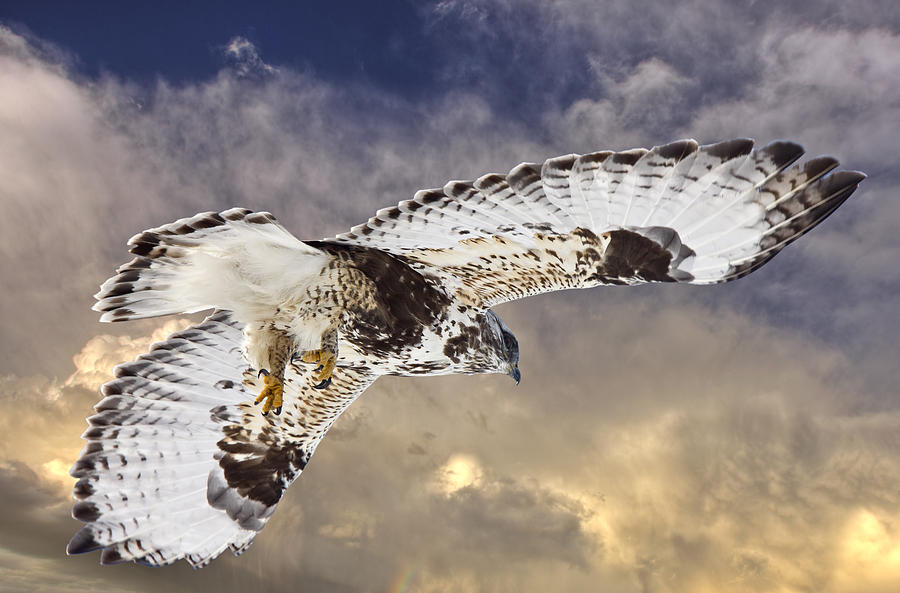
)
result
[(682, 451), (95, 362), (645, 99), (245, 59), (721, 473), (837, 88), (663, 439), (91, 164), (871, 549), (63, 170), (18, 574), (23, 488), (731, 489), (87, 165), (524, 521), (460, 471)]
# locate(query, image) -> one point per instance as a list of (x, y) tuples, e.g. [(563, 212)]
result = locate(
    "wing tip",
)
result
[(853, 177), (83, 542), (730, 149), (678, 149), (784, 148)]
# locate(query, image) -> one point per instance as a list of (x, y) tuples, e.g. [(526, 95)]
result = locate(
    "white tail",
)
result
[(224, 260)]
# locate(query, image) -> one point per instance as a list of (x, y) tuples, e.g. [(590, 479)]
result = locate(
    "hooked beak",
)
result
[(515, 374)]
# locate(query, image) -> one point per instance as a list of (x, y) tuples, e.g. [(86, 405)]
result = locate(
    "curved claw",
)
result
[(271, 395), (261, 373), (325, 362)]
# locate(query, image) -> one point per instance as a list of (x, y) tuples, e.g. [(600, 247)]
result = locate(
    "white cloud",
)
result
[(646, 99), (95, 362), (245, 58), (837, 90)]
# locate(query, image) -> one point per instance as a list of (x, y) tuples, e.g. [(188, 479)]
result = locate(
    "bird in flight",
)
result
[(194, 443)]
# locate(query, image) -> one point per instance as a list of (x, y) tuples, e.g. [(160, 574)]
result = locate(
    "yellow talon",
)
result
[(326, 360), (272, 393)]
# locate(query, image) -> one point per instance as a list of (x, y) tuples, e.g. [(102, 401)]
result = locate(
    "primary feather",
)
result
[(179, 465), (720, 210)]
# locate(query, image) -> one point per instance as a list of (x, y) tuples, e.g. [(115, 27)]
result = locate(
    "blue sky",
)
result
[(183, 41), (664, 439), (404, 47)]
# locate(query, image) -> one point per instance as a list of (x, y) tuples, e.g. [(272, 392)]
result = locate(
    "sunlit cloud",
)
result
[(870, 555), (661, 440), (95, 362), (460, 471)]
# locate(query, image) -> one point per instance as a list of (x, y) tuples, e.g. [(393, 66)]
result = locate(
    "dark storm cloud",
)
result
[(526, 523)]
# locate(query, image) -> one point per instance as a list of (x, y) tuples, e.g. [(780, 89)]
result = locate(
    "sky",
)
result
[(740, 437)]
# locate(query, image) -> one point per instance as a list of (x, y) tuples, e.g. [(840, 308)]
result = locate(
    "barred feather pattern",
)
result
[(180, 464), (223, 260), (720, 211)]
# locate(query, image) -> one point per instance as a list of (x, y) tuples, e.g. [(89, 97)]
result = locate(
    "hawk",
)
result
[(181, 461)]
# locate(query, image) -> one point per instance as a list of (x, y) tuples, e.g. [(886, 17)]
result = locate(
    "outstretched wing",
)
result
[(178, 461), (675, 213)]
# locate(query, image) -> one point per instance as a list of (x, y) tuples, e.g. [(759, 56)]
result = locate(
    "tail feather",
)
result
[(209, 261)]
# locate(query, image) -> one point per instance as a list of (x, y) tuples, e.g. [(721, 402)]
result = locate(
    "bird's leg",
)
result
[(326, 357), (272, 394)]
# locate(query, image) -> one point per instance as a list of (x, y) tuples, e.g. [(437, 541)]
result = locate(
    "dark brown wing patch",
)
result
[(259, 468), (629, 257), (389, 303), (260, 456)]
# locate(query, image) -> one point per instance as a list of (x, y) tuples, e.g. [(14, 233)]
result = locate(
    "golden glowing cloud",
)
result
[(460, 471), (869, 559), (95, 362)]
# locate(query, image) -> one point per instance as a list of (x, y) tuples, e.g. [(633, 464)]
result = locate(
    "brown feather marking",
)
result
[(259, 468), (387, 303), (631, 256)]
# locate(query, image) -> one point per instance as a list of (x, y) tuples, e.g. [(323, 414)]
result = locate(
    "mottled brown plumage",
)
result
[(407, 293)]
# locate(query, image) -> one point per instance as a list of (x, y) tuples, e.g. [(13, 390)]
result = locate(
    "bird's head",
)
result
[(505, 346)]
